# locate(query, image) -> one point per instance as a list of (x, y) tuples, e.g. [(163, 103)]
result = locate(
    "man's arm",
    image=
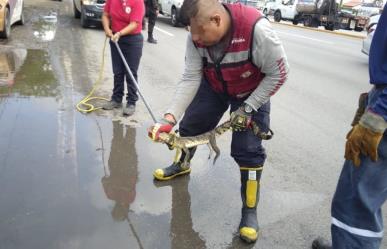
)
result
[(268, 55), (190, 82)]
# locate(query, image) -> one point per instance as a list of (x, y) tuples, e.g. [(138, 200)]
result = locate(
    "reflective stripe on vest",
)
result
[(235, 74)]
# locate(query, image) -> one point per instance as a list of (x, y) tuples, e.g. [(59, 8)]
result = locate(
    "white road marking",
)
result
[(305, 37), (163, 31)]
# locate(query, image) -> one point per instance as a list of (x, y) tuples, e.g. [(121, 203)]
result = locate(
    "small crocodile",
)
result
[(174, 141)]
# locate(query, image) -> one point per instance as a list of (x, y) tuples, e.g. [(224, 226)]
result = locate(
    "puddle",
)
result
[(45, 28)]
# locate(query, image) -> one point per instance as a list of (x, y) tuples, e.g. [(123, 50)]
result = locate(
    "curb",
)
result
[(320, 30)]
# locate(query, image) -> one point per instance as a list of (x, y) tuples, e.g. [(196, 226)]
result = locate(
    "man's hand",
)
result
[(241, 118), (109, 33), (362, 140), (164, 125), (116, 37)]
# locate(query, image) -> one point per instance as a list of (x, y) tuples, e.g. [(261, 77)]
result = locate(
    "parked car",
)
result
[(270, 6), (11, 12), (370, 27), (89, 11), (171, 8)]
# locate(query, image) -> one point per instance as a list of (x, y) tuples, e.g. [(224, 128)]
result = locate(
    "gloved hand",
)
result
[(362, 140), (163, 125), (241, 118)]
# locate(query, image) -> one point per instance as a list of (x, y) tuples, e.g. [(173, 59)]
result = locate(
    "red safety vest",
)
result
[(235, 74)]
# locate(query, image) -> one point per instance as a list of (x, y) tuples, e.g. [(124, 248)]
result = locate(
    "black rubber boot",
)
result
[(151, 39), (177, 168), (321, 243), (248, 227)]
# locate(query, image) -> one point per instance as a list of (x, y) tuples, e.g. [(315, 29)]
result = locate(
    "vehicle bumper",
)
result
[(93, 12)]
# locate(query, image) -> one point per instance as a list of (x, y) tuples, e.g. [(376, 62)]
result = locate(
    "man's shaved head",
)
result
[(198, 9)]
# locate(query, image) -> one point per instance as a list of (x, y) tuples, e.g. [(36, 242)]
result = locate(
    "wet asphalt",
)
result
[(73, 180)]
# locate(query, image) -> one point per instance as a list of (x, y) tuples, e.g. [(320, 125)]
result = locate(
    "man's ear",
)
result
[(216, 19)]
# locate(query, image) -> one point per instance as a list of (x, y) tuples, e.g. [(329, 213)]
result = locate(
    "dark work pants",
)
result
[(357, 221), (131, 47), (205, 112), (152, 16)]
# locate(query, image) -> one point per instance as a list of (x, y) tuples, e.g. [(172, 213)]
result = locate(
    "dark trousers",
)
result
[(205, 112), (131, 47), (357, 221), (152, 16)]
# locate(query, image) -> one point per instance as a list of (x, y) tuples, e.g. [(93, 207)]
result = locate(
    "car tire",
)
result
[(84, 22), (7, 24), (277, 16), (174, 20), (77, 13), (358, 29), (295, 21), (264, 12)]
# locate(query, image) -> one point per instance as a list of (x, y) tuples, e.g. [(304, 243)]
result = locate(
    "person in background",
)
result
[(152, 9), (122, 22)]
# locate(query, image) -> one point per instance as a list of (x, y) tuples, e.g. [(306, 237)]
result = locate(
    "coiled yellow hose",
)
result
[(83, 105)]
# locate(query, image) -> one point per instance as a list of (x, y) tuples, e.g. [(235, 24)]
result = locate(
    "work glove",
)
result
[(162, 126), (241, 118), (364, 138)]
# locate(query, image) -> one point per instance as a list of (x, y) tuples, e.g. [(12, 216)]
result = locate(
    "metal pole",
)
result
[(135, 82)]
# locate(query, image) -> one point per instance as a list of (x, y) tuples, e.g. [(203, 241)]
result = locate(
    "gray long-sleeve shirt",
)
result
[(267, 54)]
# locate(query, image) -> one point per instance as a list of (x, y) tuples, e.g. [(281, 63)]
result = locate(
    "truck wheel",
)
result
[(84, 22), (7, 24), (308, 21), (277, 16), (174, 20), (295, 22), (329, 27), (77, 13)]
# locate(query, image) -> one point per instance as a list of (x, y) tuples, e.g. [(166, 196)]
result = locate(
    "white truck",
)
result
[(171, 8), (312, 13)]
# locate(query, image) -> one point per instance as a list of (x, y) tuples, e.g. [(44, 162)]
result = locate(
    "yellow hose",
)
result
[(85, 107)]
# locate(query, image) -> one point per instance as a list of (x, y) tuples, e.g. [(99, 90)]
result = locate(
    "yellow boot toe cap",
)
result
[(248, 234), (158, 174)]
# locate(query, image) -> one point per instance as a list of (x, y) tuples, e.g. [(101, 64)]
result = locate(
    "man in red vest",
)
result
[(233, 60)]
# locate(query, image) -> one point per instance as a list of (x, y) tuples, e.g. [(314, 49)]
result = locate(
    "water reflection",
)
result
[(182, 234), (10, 62), (45, 28), (30, 71), (120, 184)]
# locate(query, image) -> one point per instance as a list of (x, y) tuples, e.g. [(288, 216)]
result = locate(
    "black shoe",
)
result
[(176, 169), (321, 243), (152, 40), (128, 110), (110, 105)]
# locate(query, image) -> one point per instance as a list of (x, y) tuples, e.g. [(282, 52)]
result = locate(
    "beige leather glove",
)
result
[(364, 138)]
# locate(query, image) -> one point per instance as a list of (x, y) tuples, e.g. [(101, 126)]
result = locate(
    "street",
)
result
[(73, 180)]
